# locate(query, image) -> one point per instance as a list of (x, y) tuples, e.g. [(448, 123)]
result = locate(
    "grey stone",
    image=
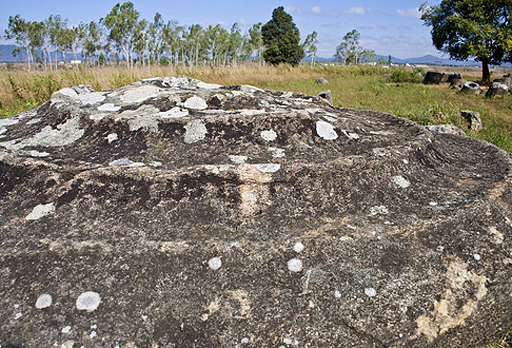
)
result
[(264, 219), (457, 83), (497, 88), (473, 119), (433, 78), (321, 81), (327, 95), (449, 76), (472, 88)]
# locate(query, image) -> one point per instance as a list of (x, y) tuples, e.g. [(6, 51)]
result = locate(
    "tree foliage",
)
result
[(281, 38), (479, 29), (349, 51), (123, 36), (310, 46)]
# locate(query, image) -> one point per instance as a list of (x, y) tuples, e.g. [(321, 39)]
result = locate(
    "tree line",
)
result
[(123, 35)]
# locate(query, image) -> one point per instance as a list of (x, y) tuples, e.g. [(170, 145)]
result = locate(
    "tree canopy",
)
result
[(479, 29), (349, 51), (281, 38)]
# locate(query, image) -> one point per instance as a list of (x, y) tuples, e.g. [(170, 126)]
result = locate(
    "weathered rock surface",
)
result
[(174, 213), (457, 83), (321, 81)]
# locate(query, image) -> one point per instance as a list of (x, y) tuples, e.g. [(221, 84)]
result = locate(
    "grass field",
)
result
[(360, 87)]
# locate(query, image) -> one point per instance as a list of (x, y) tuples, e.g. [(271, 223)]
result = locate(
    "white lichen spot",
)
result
[(497, 236), (175, 112), (44, 301), (267, 167), (326, 130), (195, 131), (112, 137), (109, 107), (276, 153), (68, 344), (269, 135), (215, 263), (298, 247), (195, 103), (91, 98), (93, 334), (370, 292), (17, 316), (40, 211), (433, 204), (88, 301), (139, 94), (97, 117), (379, 210), (125, 162), (337, 294), (401, 181), (244, 340), (237, 159), (287, 341), (295, 265), (205, 85), (477, 257), (66, 330), (406, 161), (34, 153)]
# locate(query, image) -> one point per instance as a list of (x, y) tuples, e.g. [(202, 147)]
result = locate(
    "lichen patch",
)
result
[(40, 211), (88, 301), (326, 130), (195, 131)]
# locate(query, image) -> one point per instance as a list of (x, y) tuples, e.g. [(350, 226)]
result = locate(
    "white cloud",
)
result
[(412, 12), (293, 10), (356, 10), (316, 10)]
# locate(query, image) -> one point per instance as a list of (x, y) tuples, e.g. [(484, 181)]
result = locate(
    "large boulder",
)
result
[(175, 213), (497, 89), (457, 83), (433, 78)]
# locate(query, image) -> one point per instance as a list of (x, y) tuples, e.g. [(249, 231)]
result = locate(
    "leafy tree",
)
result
[(310, 46), (18, 29), (93, 40), (121, 22), (281, 38), (349, 50), (479, 29), (140, 40), (173, 40), (156, 36), (217, 38), (255, 41)]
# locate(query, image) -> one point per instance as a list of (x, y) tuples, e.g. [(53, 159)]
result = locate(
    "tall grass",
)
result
[(358, 87)]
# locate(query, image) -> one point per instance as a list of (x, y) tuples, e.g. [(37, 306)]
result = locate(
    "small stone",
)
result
[(295, 265), (215, 263), (337, 294), (88, 301), (245, 340), (112, 137), (370, 292), (477, 257), (44, 301), (66, 329)]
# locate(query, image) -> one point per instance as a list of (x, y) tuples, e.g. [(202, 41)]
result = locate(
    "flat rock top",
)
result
[(175, 213)]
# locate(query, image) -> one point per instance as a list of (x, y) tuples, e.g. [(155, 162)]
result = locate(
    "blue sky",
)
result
[(388, 27)]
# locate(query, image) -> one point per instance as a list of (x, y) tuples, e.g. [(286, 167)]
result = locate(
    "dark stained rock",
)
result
[(175, 213), (449, 76), (433, 78)]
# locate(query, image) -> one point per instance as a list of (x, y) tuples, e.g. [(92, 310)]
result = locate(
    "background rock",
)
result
[(433, 78), (473, 119), (457, 83), (321, 81), (173, 212), (497, 88), (472, 87)]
